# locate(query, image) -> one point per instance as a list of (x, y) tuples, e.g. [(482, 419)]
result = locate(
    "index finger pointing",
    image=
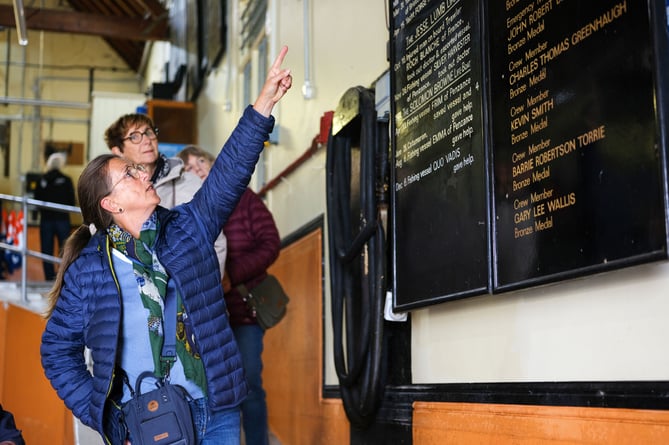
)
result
[(279, 59)]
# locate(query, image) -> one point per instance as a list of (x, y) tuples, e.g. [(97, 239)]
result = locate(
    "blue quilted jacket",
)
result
[(88, 311)]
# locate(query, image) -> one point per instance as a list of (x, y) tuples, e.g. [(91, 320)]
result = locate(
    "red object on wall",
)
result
[(326, 124)]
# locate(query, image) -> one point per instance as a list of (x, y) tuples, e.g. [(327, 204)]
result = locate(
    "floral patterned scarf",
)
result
[(152, 282)]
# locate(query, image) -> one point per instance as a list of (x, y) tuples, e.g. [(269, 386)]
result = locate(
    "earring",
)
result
[(120, 209)]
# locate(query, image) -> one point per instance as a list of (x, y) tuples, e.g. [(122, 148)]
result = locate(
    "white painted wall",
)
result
[(105, 109), (606, 327)]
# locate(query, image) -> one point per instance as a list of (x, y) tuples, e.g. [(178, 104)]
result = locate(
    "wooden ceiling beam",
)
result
[(90, 24)]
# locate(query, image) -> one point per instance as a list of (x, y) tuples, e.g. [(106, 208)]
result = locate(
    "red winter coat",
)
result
[(253, 245)]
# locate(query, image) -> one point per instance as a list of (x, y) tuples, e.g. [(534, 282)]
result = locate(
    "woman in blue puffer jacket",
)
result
[(130, 254)]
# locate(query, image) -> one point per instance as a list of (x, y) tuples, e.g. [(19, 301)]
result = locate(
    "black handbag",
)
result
[(267, 300), (161, 416)]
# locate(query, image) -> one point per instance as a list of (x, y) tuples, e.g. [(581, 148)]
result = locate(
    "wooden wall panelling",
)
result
[(471, 423), (293, 356), (4, 309), (37, 410)]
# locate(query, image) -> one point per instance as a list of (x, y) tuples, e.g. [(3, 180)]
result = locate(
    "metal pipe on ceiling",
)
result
[(20, 19), (44, 103)]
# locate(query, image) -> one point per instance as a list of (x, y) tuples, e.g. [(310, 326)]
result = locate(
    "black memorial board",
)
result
[(576, 140), (528, 142), (439, 195)]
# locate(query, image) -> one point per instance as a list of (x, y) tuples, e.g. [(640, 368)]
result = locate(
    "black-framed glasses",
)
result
[(133, 171), (136, 137)]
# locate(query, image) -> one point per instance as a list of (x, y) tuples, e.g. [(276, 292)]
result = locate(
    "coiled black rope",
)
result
[(356, 241)]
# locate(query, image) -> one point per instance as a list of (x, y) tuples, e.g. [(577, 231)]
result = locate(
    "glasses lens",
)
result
[(136, 170), (135, 137)]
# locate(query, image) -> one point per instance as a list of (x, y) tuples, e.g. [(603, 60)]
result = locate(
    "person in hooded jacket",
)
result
[(125, 259), (134, 137)]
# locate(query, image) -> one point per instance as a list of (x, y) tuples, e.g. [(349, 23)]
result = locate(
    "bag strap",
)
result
[(168, 354), (243, 291)]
